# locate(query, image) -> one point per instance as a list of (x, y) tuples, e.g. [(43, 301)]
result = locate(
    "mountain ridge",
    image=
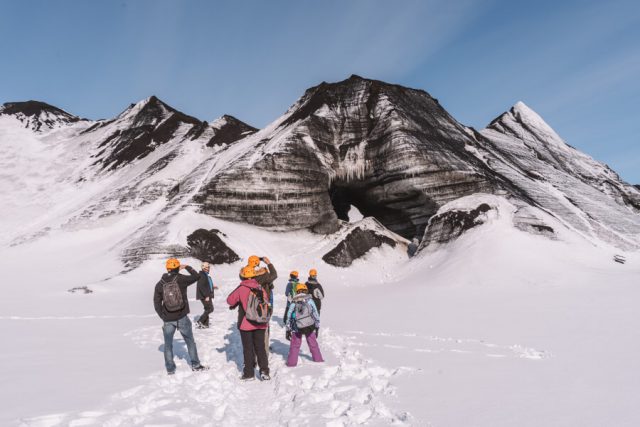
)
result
[(393, 153)]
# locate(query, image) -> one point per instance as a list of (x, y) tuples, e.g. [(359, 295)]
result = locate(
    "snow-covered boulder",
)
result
[(357, 239), (527, 218), (207, 245), (450, 224), (459, 216)]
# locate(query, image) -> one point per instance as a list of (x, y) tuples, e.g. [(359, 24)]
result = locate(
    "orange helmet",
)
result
[(294, 273), (301, 287), (254, 261), (247, 272), (172, 264), (313, 272)]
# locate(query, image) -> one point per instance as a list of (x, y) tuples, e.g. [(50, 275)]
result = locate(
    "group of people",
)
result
[(254, 300)]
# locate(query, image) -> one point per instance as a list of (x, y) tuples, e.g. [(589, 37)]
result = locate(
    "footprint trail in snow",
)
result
[(347, 389)]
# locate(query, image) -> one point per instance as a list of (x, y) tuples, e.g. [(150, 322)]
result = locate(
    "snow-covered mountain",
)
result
[(75, 173), (38, 116), (585, 194), (523, 276), (391, 152)]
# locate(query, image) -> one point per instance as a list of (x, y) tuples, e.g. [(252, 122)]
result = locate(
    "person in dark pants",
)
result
[(173, 309), (315, 289), (251, 334), (265, 276), (205, 293)]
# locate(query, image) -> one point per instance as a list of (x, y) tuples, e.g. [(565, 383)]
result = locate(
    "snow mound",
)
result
[(462, 215), (357, 239)]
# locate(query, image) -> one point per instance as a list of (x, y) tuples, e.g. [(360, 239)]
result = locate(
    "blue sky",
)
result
[(577, 63)]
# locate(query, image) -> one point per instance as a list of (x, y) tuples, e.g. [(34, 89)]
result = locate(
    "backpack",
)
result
[(305, 322), (257, 308), (172, 295)]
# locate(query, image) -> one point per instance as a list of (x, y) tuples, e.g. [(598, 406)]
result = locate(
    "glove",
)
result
[(288, 336)]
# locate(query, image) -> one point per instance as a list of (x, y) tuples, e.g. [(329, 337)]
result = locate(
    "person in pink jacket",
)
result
[(252, 334)]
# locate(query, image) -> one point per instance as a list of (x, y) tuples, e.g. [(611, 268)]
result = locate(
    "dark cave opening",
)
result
[(401, 213)]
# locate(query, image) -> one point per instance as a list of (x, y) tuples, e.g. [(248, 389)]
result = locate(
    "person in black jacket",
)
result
[(205, 293), (315, 288), (176, 319)]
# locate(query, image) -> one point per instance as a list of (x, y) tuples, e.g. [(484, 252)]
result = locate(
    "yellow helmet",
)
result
[(247, 272), (301, 287), (172, 264), (294, 273), (254, 261), (313, 272)]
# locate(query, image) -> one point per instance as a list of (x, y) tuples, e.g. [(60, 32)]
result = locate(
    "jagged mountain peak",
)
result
[(523, 122), (529, 117), (228, 129), (148, 111), (37, 115), (226, 120)]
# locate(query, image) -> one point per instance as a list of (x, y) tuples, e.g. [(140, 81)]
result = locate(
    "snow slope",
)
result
[(500, 327)]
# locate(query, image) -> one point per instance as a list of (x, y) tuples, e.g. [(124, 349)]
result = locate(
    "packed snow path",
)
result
[(346, 389)]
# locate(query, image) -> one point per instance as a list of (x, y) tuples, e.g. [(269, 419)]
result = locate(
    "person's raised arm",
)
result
[(273, 274), (191, 278)]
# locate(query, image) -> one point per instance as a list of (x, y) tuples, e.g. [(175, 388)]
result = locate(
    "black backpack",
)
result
[(172, 295)]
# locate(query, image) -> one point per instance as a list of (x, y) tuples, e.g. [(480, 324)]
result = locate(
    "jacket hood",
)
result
[(251, 283), (169, 275), (301, 297)]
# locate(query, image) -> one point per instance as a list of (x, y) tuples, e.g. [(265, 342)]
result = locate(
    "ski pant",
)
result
[(267, 335), (253, 345), (208, 309), (294, 348), (168, 330)]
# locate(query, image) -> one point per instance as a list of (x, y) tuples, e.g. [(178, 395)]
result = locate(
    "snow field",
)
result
[(345, 390), (498, 328)]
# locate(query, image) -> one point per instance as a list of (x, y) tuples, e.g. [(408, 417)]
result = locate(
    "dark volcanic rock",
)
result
[(206, 245), (356, 244), (392, 152), (38, 115), (81, 289), (450, 225)]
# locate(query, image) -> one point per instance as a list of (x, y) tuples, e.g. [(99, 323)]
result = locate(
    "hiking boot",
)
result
[(201, 325), (248, 377), (199, 368), (264, 377), (171, 372)]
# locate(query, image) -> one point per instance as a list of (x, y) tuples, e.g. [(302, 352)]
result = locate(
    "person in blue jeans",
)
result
[(171, 303)]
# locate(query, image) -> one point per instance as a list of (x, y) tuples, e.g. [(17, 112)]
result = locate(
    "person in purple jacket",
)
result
[(302, 319)]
